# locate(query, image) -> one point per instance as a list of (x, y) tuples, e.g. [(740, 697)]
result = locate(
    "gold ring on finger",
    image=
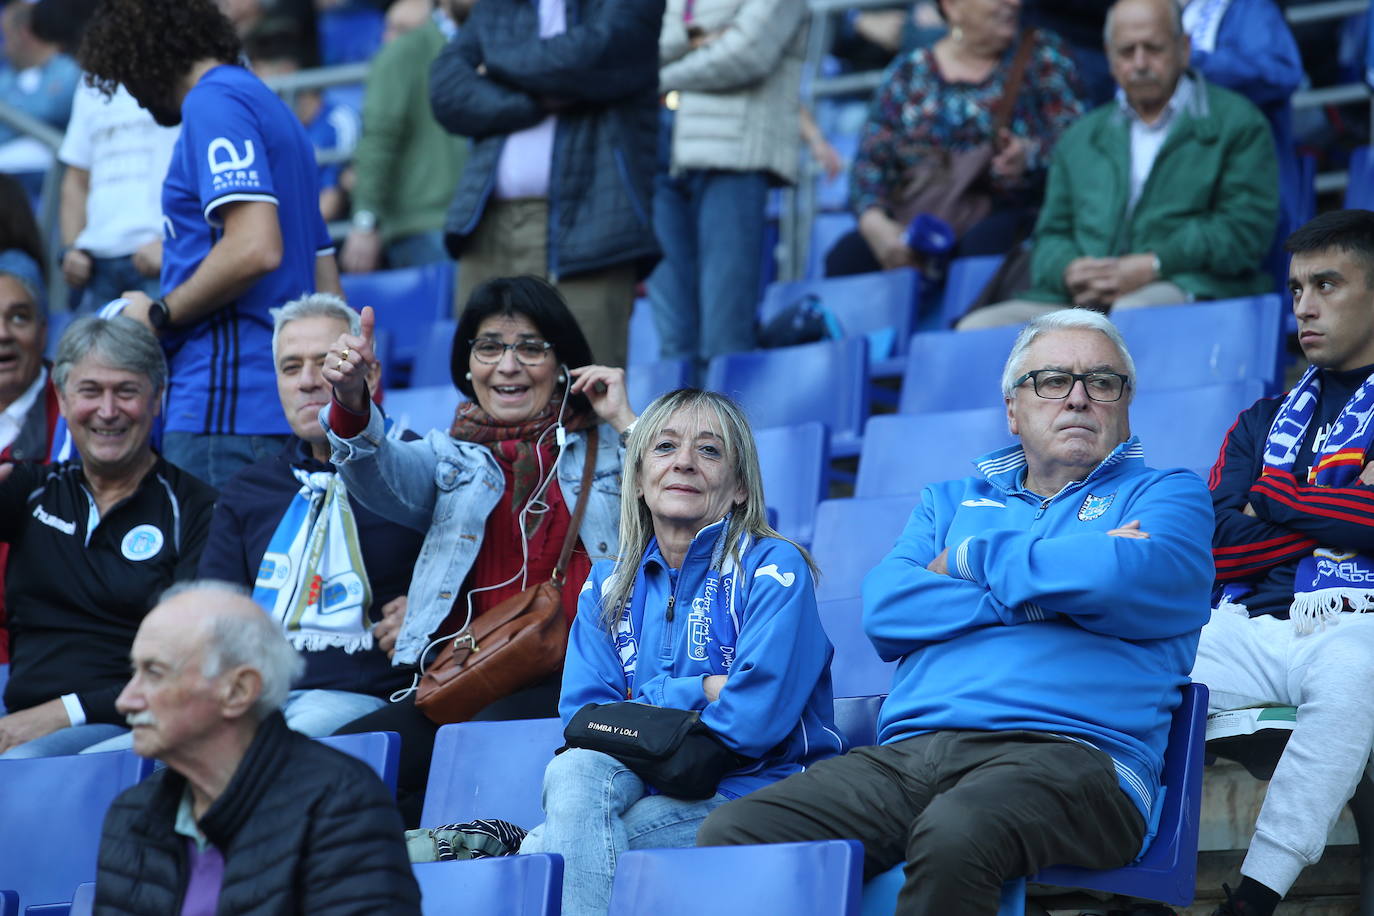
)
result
[(343, 355)]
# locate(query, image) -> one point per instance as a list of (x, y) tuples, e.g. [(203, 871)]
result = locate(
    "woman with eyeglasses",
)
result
[(495, 492)]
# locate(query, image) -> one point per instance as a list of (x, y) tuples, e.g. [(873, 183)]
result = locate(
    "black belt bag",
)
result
[(670, 749)]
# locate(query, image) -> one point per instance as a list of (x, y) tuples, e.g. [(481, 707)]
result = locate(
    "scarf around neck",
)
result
[(1331, 580)]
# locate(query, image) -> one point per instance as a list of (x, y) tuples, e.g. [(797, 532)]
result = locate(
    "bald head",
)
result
[(1147, 51)]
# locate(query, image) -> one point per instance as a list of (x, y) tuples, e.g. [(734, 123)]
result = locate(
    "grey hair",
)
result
[(256, 641), (1175, 20), (32, 291), (637, 524), (124, 343), (313, 305), (1063, 320)]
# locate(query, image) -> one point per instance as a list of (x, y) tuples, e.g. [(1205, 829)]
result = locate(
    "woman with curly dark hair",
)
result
[(243, 227)]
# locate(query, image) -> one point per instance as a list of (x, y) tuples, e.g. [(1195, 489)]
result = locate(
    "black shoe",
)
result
[(1232, 906)]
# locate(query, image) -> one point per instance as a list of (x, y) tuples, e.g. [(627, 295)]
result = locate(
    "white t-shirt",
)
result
[(126, 153)]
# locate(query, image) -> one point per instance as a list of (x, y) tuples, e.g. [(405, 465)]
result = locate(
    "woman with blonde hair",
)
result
[(706, 608)]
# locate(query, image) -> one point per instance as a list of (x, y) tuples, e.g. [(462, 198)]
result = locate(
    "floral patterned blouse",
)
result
[(917, 110)]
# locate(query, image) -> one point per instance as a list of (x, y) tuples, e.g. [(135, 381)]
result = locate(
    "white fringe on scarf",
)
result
[(1313, 611)]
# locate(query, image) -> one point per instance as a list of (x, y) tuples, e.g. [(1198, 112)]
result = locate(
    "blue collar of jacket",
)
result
[(1005, 468)]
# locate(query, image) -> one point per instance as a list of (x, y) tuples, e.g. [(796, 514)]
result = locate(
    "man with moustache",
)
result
[(241, 220), (1293, 491), (1166, 195)]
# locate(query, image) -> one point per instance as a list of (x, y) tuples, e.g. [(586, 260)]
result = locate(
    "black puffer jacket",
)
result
[(601, 78), (303, 829)]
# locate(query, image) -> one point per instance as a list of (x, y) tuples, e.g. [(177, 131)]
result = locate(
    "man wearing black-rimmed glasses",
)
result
[(1043, 614)]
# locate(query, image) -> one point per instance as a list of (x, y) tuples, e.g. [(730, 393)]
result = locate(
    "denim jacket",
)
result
[(447, 488)]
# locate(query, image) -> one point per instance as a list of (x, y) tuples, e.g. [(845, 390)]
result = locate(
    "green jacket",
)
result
[(1209, 207), (406, 164)]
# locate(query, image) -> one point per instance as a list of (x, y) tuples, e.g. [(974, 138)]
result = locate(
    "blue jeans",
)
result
[(110, 277), (71, 740), (216, 458), (705, 291), (311, 712), (595, 808), (415, 250)]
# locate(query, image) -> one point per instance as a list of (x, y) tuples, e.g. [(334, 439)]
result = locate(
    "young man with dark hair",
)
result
[(1294, 551), (241, 219)]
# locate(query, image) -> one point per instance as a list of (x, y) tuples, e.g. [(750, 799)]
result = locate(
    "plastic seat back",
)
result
[(955, 370), (422, 409), (824, 381), (964, 281), (529, 885), (903, 453), (801, 879), (434, 355), (379, 750), (856, 670), (644, 345), (407, 300), (881, 306), (857, 719), (53, 809), (794, 464), (1210, 410), (646, 381), (1206, 343), (852, 535), (490, 770)]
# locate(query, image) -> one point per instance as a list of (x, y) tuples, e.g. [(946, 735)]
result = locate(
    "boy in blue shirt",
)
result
[(243, 232)]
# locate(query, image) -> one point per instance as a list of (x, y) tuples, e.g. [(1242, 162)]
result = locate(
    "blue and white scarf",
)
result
[(1330, 580), (710, 639), (312, 578)]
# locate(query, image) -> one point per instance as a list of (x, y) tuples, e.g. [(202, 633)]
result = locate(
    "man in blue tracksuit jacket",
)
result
[(1044, 615)]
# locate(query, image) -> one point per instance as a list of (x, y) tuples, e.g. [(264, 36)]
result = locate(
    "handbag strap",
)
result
[(569, 542), (1001, 112)]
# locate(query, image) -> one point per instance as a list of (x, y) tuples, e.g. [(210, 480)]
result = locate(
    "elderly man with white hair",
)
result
[(248, 816)]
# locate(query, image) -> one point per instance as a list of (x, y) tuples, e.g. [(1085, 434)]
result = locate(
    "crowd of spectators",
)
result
[(213, 423)]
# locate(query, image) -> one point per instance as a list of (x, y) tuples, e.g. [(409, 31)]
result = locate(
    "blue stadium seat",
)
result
[(824, 381), (881, 306), (964, 281), (799, 879), (826, 230), (1206, 343), (490, 769), (832, 194), (47, 909), (1210, 411), (902, 453), (856, 670), (857, 719), (646, 381), (57, 323), (795, 466), (84, 901), (350, 34), (53, 808), (1167, 872), (434, 355), (9, 903), (644, 345), (529, 885), (1359, 193), (423, 409), (379, 750), (406, 300), (955, 370), (852, 535)]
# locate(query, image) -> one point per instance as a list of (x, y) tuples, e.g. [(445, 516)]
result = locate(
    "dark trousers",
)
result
[(966, 811), (539, 701)]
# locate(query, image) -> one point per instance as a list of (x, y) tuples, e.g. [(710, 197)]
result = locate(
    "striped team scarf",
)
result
[(1331, 580)]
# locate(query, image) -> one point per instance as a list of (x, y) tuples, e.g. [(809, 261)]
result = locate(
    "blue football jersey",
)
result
[(239, 142)]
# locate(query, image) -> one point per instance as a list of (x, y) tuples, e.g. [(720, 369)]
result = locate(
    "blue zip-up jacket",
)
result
[(1045, 622), (777, 704)]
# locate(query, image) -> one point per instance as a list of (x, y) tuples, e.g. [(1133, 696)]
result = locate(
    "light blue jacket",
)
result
[(761, 629), (446, 489), (1045, 622)]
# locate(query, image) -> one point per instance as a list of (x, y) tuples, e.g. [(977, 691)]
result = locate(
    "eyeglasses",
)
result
[(527, 352), (1055, 384)]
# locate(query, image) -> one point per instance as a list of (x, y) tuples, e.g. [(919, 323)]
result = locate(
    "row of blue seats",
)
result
[(494, 769)]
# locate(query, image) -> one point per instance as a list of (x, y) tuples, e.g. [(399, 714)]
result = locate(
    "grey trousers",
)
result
[(513, 239), (1019, 311), (966, 811)]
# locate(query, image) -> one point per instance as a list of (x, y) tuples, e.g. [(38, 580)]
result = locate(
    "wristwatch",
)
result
[(158, 315), (365, 221)]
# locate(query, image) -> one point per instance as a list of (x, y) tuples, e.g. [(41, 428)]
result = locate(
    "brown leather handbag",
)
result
[(957, 186), (519, 642)]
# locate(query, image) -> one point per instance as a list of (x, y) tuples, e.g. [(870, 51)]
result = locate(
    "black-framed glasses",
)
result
[(1055, 384), (528, 352)]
